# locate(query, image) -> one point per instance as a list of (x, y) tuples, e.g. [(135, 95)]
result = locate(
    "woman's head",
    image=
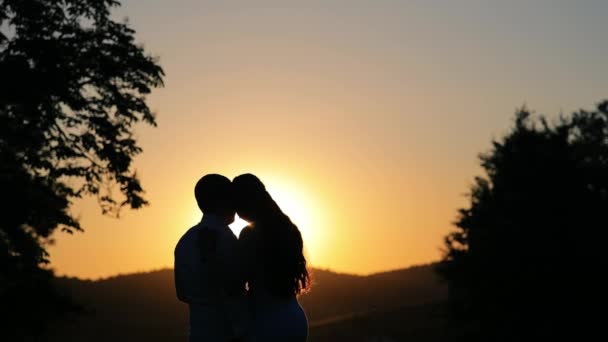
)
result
[(252, 201)]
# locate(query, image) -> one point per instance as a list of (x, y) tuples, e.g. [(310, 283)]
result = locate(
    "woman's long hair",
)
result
[(279, 241)]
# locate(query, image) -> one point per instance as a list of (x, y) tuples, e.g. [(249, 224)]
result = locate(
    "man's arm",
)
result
[(184, 283), (189, 262), (181, 270), (185, 274)]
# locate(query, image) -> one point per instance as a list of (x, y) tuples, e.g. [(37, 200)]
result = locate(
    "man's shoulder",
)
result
[(188, 236)]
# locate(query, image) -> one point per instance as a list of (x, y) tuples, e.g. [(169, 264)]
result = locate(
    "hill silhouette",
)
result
[(143, 307)]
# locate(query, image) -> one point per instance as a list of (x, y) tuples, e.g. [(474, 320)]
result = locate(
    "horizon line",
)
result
[(325, 269)]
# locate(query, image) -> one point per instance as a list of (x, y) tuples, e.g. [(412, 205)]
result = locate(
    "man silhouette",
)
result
[(206, 270)]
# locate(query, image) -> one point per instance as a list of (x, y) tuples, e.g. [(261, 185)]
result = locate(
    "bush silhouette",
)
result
[(526, 259)]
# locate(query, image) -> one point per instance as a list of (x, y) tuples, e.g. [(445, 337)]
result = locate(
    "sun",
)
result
[(299, 206)]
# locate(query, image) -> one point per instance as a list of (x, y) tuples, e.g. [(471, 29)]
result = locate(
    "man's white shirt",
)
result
[(197, 281)]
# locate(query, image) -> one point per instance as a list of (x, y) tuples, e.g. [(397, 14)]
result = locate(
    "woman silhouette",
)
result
[(275, 265)]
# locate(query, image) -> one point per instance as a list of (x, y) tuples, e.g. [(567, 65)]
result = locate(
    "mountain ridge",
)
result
[(143, 305)]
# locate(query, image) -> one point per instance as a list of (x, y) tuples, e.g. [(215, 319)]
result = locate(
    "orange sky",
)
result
[(364, 119)]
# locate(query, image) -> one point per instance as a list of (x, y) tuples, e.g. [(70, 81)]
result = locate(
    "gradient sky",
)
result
[(364, 118)]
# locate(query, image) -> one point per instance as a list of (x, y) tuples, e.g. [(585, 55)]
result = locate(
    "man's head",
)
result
[(214, 196)]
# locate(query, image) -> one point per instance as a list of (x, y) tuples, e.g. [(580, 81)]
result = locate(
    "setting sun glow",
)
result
[(301, 210), (238, 225)]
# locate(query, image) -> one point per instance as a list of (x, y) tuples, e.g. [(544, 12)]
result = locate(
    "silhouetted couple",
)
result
[(241, 289)]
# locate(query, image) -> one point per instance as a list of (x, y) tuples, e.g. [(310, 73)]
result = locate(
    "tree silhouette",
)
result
[(526, 258), (73, 85)]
